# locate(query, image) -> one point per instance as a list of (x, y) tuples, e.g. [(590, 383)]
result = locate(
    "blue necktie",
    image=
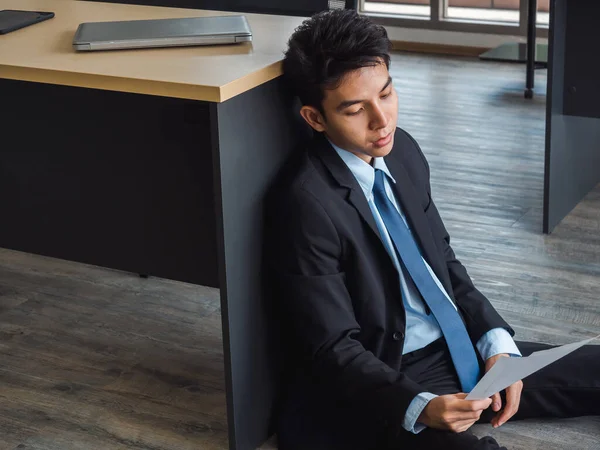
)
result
[(454, 331)]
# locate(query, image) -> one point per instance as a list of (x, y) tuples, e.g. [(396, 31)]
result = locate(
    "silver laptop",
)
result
[(162, 33)]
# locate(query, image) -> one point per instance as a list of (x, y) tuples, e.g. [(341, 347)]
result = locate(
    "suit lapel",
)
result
[(413, 211), (405, 193), (358, 200), (345, 178)]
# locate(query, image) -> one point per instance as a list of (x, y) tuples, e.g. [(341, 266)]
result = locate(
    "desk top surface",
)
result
[(44, 53)]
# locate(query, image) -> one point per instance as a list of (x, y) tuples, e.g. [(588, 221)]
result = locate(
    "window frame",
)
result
[(438, 21)]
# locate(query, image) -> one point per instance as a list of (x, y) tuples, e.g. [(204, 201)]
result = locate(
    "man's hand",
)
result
[(452, 412), (513, 396)]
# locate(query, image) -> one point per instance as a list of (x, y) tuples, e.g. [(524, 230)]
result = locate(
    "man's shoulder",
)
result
[(303, 171), (407, 150), (404, 138), (297, 170), (299, 180)]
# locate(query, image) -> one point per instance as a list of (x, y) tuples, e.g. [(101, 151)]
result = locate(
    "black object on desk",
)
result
[(13, 19)]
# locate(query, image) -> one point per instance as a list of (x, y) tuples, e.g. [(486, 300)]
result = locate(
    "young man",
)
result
[(385, 331)]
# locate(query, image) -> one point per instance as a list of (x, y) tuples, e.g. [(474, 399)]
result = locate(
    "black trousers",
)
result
[(569, 387)]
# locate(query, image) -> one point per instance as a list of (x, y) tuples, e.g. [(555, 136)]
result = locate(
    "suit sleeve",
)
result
[(305, 254), (479, 314)]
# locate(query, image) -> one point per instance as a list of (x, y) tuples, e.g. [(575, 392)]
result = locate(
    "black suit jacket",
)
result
[(338, 293)]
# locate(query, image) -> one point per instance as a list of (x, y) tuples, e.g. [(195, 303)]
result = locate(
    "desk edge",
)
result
[(119, 84)]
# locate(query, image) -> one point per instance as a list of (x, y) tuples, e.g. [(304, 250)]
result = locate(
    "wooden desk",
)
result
[(151, 161)]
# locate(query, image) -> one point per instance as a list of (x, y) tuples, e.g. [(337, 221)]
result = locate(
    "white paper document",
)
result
[(507, 371)]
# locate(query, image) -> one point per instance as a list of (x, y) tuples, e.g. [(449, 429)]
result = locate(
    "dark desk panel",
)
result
[(256, 133), (106, 178), (581, 62), (572, 165)]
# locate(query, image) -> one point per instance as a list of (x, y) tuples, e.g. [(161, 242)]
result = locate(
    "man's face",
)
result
[(360, 114)]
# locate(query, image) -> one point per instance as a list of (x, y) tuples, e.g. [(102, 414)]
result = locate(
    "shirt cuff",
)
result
[(497, 341), (414, 410)]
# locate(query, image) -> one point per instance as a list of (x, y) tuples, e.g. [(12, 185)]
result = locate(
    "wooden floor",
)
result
[(95, 359)]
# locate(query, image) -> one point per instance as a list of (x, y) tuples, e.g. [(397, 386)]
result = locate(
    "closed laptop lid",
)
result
[(132, 30)]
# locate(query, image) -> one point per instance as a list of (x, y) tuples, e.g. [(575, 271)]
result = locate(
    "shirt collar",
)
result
[(363, 172)]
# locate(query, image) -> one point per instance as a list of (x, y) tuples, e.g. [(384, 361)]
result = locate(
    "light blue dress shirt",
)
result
[(421, 329)]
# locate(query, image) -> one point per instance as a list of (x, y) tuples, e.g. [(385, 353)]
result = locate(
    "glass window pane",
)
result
[(484, 10), (399, 7), (543, 15)]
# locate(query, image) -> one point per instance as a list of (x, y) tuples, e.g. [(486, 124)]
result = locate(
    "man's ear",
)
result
[(313, 117)]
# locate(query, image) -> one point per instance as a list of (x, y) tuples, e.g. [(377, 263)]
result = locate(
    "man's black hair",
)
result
[(329, 45)]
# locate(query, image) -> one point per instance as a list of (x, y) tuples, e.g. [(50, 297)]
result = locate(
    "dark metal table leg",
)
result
[(531, 47)]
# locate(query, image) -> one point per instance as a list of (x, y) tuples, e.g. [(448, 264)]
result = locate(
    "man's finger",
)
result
[(513, 399), (496, 402), (474, 405), (460, 416)]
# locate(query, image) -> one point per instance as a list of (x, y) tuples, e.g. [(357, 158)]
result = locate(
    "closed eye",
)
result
[(355, 113)]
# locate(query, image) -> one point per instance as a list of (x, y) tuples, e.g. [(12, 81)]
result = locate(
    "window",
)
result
[(399, 7), (491, 16)]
